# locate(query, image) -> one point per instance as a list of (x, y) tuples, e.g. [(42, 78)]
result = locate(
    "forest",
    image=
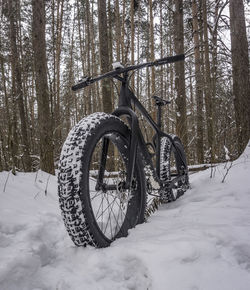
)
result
[(47, 46)]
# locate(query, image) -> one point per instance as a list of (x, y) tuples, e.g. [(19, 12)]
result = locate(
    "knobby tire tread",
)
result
[(69, 180)]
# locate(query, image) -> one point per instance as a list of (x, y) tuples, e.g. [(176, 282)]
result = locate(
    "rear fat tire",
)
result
[(73, 179), (167, 150)]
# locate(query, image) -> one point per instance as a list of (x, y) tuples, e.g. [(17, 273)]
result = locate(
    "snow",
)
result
[(201, 241)]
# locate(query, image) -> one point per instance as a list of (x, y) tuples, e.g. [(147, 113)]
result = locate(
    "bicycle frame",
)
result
[(126, 99)]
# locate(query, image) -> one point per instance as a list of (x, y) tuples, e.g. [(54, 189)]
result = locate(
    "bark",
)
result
[(104, 55), (123, 32), (181, 118), (214, 69), (80, 31), (138, 49), (88, 46), (240, 63), (7, 123), (58, 49), (42, 92), (152, 54), (17, 82), (110, 48), (132, 16), (208, 85), (161, 48), (69, 96), (198, 89), (117, 31), (94, 64)]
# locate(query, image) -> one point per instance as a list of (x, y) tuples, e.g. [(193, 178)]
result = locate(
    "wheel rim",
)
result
[(109, 206)]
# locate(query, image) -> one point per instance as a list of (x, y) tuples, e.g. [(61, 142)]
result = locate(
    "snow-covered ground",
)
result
[(202, 241)]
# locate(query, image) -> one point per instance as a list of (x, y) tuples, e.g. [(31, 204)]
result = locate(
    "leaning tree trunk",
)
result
[(44, 116), (240, 62)]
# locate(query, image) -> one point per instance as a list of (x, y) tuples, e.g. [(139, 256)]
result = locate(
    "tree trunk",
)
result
[(152, 55), (44, 117), (181, 118), (88, 46), (80, 31), (94, 64), (104, 55), (117, 31), (123, 32), (17, 82), (58, 49), (240, 62), (5, 149), (110, 48), (199, 95), (208, 86), (132, 17)]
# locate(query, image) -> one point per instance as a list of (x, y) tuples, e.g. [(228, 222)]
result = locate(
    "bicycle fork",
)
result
[(130, 160)]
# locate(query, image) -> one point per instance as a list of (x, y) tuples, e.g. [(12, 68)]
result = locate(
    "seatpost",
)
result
[(159, 116)]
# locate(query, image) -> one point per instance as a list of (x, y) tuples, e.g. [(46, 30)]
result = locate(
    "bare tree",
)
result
[(208, 84), (104, 55), (198, 78), (17, 86), (40, 64), (181, 107), (240, 64)]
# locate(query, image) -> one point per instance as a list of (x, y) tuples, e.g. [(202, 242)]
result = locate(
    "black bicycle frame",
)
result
[(126, 99)]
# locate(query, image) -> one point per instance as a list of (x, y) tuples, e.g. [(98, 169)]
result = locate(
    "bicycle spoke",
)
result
[(98, 193), (101, 204), (108, 218), (105, 210), (109, 207)]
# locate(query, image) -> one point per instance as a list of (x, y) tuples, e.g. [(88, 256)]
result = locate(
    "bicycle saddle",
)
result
[(160, 102)]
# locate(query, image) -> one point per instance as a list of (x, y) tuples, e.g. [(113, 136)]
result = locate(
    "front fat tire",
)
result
[(73, 182)]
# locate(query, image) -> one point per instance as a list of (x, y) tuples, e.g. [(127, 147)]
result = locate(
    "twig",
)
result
[(6, 181), (211, 168), (47, 185), (36, 175), (224, 177), (36, 195)]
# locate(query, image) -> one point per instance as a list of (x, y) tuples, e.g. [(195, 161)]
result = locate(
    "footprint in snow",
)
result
[(11, 229), (242, 255), (126, 272)]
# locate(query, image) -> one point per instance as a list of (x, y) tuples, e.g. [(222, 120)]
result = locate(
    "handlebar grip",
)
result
[(81, 84), (78, 86), (170, 59)]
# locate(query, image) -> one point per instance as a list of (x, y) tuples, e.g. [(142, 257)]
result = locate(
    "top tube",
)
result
[(88, 80)]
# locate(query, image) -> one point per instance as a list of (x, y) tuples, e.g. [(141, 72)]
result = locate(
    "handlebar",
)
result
[(86, 81)]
